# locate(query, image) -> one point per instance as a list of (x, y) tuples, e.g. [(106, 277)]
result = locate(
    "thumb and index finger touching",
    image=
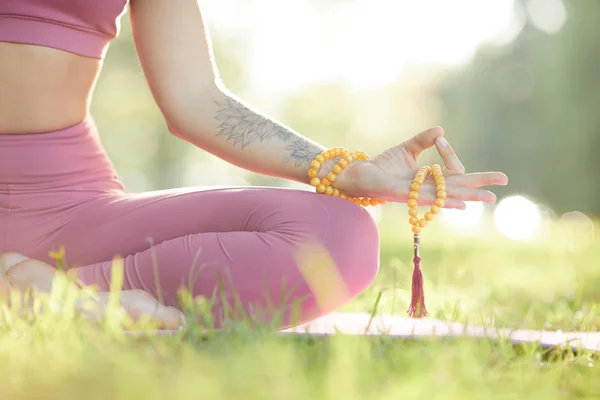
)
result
[(435, 137)]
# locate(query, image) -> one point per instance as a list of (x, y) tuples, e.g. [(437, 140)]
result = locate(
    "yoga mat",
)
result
[(407, 328), (403, 327)]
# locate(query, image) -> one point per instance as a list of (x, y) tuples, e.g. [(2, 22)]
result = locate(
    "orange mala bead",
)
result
[(417, 307)]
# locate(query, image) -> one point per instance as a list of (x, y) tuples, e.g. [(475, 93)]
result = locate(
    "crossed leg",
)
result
[(257, 247)]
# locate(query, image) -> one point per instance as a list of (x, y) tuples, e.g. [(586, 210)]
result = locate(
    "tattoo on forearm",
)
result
[(301, 152), (242, 126)]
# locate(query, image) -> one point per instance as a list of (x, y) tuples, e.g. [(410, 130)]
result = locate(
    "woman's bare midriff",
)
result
[(43, 89)]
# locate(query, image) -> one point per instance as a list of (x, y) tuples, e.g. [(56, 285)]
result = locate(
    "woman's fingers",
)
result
[(455, 171), (468, 194), (456, 195), (422, 141), (479, 179), (427, 196), (449, 203), (453, 165)]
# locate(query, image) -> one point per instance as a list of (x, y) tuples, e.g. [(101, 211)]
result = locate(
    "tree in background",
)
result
[(532, 110)]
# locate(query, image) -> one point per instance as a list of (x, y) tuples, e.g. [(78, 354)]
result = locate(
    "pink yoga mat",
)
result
[(402, 327)]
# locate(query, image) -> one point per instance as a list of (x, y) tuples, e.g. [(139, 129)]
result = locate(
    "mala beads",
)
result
[(417, 305), (324, 185)]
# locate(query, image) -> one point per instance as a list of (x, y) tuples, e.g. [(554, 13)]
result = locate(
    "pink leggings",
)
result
[(59, 188)]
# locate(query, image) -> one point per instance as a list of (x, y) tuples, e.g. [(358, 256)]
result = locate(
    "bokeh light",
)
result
[(547, 15), (517, 218), (577, 231)]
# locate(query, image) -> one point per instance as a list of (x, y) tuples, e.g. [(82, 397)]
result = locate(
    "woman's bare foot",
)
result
[(138, 303), (19, 271), (9, 260)]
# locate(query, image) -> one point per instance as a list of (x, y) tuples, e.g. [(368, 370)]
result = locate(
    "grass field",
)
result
[(551, 284)]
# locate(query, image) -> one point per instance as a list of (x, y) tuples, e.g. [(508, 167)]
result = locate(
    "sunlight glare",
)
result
[(517, 218), (511, 27), (357, 42), (468, 218), (448, 32)]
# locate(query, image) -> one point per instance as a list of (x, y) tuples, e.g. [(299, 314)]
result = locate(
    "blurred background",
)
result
[(513, 82)]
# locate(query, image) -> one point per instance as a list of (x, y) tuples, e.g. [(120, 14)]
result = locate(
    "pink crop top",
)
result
[(83, 27)]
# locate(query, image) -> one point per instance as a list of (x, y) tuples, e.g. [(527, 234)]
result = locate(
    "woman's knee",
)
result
[(354, 239)]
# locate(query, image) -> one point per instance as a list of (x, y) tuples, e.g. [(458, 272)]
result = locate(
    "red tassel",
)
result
[(417, 308)]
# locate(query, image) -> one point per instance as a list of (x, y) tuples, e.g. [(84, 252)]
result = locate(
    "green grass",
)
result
[(552, 284)]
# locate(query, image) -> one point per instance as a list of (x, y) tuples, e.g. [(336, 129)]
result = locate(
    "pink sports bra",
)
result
[(83, 27)]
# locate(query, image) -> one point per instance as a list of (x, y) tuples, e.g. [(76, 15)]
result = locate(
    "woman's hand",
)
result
[(389, 175)]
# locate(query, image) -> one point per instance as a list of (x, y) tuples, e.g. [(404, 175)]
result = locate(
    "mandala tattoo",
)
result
[(301, 152), (242, 126)]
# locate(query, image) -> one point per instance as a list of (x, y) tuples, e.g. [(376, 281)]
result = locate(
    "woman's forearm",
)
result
[(227, 127)]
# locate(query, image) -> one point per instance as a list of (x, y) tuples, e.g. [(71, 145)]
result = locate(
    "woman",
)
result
[(58, 188)]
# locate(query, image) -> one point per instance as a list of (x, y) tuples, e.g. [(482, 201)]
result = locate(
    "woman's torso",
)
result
[(43, 89)]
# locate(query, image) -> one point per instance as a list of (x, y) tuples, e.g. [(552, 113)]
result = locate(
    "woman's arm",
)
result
[(175, 52)]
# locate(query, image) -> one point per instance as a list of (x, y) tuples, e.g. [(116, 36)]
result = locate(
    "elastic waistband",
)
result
[(67, 157), (82, 128)]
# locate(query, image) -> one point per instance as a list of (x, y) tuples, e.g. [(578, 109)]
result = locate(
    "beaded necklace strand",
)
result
[(417, 307), (325, 186)]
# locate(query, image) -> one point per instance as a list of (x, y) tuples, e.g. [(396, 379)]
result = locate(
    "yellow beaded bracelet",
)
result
[(324, 185), (417, 305)]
